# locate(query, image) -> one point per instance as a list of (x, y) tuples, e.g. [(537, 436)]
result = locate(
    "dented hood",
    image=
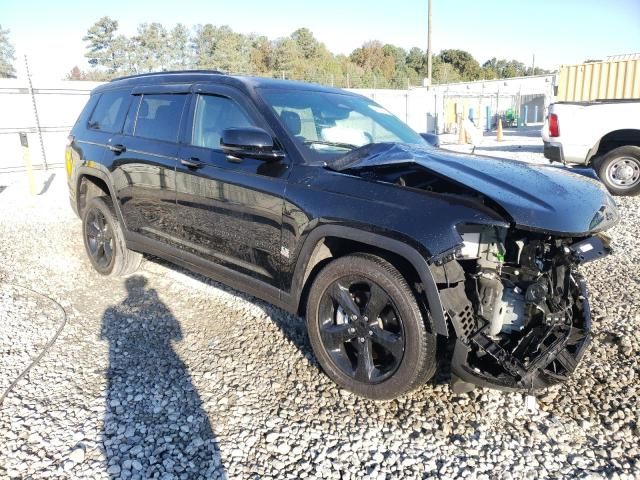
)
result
[(536, 197)]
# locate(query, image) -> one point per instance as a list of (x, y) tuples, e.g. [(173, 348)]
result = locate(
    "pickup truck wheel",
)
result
[(104, 240), (367, 330), (619, 170)]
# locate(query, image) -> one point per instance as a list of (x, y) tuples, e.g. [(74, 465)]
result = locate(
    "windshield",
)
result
[(329, 125)]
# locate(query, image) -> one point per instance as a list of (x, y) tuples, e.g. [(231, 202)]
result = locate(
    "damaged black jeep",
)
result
[(400, 255)]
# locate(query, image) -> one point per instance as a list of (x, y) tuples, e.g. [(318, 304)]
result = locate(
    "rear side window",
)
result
[(159, 116), (83, 118), (110, 111), (213, 115)]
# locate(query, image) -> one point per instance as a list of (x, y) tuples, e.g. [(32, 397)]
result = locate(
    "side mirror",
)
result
[(249, 142)]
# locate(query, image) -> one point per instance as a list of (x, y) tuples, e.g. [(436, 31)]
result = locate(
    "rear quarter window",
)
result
[(108, 116), (83, 118)]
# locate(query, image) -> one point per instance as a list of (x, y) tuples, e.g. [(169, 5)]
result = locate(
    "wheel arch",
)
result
[(328, 242), (611, 141), (91, 182)]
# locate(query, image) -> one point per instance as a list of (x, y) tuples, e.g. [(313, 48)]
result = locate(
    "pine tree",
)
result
[(6, 55)]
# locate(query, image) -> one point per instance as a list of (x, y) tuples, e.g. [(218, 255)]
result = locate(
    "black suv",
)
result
[(401, 256)]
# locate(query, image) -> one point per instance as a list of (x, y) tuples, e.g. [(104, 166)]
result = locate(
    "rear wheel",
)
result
[(104, 240), (619, 170), (367, 330)]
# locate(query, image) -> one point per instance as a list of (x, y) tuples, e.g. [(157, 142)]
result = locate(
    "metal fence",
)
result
[(57, 104)]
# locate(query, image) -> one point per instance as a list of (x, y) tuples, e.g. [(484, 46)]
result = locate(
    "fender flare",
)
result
[(402, 249), (103, 175)]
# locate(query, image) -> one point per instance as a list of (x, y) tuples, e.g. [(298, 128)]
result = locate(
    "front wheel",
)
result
[(619, 170), (367, 329)]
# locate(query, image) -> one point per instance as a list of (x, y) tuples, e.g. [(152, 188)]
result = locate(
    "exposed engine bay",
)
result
[(514, 301), (518, 305)]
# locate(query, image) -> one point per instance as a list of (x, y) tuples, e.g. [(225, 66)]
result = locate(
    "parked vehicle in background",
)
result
[(322, 202), (602, 134)]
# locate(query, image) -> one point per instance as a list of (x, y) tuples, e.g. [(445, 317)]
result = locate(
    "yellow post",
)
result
[(462, 138), (26, 158), (499, 132)]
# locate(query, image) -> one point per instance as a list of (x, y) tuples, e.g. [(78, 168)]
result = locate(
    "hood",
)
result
[(536, 197)]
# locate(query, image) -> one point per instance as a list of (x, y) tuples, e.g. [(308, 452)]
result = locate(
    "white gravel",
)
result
[(170, 375)]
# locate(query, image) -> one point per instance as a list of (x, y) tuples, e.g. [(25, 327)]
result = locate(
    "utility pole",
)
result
[(533, 65), (429, 51)]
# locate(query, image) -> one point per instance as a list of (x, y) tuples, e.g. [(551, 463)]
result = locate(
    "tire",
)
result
[(619, 170), (104, 241), (398, 341)]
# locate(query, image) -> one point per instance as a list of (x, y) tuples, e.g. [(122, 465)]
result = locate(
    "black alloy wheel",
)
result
[(361, 329), (104, 240), (367, 330), (99, 238)]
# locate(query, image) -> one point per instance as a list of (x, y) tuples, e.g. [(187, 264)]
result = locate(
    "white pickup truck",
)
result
[(603, 134)]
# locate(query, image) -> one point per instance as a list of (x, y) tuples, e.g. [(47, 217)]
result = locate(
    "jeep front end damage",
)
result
[(518, 306)]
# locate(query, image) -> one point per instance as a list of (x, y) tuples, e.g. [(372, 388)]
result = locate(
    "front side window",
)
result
[(214, 114), (110, 111), (159, 116), (328, 125)]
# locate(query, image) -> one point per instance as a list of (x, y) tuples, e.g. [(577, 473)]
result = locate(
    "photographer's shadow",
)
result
[(154, 422)]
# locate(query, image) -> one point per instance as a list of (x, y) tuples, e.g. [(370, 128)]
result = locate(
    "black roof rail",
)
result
[(172, 72)]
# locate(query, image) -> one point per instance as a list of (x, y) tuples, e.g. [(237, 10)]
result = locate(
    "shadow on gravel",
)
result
[(154, 425), (47, 184)]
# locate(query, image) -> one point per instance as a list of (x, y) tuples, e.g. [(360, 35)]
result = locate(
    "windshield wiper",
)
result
[(346, 146)]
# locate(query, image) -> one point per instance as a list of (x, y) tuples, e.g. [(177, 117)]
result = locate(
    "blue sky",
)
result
[(556, 31)]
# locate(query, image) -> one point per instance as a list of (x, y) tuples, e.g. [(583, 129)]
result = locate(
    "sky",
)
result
[(555, 31)]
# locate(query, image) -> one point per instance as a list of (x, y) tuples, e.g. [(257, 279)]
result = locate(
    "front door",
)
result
[(229, 211)]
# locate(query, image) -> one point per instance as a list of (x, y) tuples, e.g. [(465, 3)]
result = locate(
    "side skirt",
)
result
[(242, 283)]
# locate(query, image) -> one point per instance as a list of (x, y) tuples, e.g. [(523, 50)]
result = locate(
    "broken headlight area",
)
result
[(517, 304)]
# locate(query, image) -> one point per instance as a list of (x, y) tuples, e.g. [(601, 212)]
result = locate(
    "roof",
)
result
[(215, 76), (622, 57)]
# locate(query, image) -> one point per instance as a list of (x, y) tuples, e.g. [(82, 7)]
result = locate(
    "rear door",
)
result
[(229, 209), (144, 162), (104, 117)]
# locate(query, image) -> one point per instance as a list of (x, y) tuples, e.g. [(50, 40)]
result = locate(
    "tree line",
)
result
[(299, 56)]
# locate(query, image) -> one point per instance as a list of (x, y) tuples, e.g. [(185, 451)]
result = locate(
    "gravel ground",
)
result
[(169, 375)]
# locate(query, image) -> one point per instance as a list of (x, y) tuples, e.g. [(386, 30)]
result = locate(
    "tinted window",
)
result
[(213, 115), (83, 119), (159, 117), (110, 111)]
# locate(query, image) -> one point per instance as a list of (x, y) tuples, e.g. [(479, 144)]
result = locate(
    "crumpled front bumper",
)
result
[(560, 349)]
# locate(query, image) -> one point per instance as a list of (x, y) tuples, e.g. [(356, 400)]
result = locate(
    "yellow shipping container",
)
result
[(608, 80)]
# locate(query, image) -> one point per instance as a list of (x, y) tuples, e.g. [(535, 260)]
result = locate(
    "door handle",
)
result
[(192, 162), (117, 148)]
